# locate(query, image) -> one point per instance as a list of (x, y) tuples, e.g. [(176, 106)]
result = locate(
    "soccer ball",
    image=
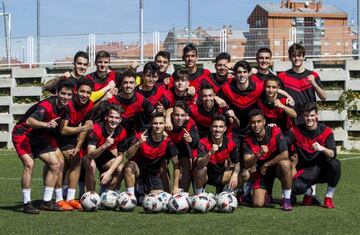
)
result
[(201, 203), (164, 198), (108, 199), (212, 201), (90, 201), (226, 202), (152, 204), (178, 203), (126, 201)]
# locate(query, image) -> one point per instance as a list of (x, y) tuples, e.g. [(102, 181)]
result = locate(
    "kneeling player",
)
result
[(217, 162), (106, 147), (32, 138), (265, 148), (146, 155), (316, 150)]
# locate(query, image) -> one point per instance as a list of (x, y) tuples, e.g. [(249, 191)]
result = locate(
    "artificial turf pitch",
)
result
[(344, 219)]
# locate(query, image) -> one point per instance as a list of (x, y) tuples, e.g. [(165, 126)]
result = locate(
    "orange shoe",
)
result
[(63, 204), (75, 204)]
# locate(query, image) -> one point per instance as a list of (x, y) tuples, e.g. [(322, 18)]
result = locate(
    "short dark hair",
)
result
[(255, 112), (164, 54), (151, 68), (189, 47), (65, 83), (272, 78), (81, 54), (263, 50), (116, 108), (206, 86), (85, 82), (218, 117), (296, 49), (180, 74), (182, 105), (102, 54), (308, 107), (223, 56), (157, 114), (243, 64)]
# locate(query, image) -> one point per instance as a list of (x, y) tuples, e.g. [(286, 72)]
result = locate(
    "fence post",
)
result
[(30, 53), (92, 47)]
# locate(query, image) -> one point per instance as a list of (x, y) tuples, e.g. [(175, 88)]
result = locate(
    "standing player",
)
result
[(74, 128), (222, 68), (185, 135), (162, 58), (241, 95), (217, 162), (274, 105), (146, 155), (32, 138), (103, 78), (81, 63), (265, 149), (105, 150), (316, 150), (301, 84)]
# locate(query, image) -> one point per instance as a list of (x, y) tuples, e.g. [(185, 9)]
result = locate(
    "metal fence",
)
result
[(125, 47)]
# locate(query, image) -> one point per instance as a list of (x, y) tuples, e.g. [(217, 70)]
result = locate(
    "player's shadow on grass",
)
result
[(18, 206)]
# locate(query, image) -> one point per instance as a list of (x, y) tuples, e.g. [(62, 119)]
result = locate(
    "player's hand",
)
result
[(165, 135), (271, 125), (168, 125), (187, 136), (277, 103), (318, 147), (175, 190), (160, 107), (214, 148), (263, 150), (74, 152), (52, 123), (105, 178), (114, 91), (134, 65), (111, 85), (253, 71), (311, 79), (220, 102), (290, 101), (233, 181), (143, 137), (191, 91), (263, 169), (245, 174), (67, 74), (109, 140)]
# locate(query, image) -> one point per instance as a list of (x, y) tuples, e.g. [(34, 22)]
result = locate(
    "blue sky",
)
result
[(64, 17)]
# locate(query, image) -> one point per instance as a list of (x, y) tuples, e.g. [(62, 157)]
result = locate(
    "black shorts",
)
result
[(215, 175), (104, 158), (185, 150), (151, 180), (67, 142), (266, 181)]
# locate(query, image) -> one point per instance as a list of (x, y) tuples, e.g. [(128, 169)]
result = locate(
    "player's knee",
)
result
[(285, 165), (55, 166), (129, 171), (334, 164), (29, 165), (298, 187), (257, 202)]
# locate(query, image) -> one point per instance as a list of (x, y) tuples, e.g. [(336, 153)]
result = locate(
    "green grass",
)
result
[(344, 219)]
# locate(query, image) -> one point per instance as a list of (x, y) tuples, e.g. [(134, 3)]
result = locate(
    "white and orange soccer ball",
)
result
[(164, 197), (108, 199), (201, 203), (152, 204), (179, 203), (226, 202), (90, 201)]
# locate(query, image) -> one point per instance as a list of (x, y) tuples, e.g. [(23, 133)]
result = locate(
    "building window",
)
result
[(276, 42), (338, 43)]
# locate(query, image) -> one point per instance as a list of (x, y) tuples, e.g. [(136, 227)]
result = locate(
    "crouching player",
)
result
[(32, 138), (316, 151), (105, 150), (265, 148), (146, 155), (217, 161)]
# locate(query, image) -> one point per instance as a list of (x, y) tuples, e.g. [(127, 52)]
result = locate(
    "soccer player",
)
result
[(81, 63), (265, 148), (204, 110), (274, 106), (316, 150), (148, 151), (32, 138), (162, 58), (105, 150), (241, 95), (300, 83), (74, 128), (217, 162), (103, 77), (222, 68), (185, 135)]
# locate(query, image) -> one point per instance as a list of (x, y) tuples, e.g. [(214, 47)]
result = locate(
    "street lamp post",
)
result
[(141, 29), (189, 20)]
